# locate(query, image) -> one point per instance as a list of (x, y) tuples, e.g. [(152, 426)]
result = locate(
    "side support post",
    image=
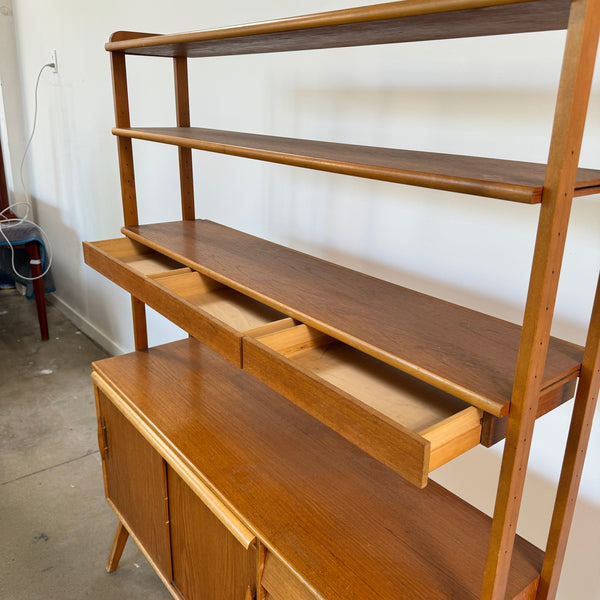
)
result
[(569, 120), (570, 477), (182, 105), (124, 145), (130, 212)]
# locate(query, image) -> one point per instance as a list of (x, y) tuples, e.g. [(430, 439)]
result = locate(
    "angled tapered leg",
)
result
[(117, 548)]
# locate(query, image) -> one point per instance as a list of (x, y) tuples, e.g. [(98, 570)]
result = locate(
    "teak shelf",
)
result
[(486, 177), (291, 437)]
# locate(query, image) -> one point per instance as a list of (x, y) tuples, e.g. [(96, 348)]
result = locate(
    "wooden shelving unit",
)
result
[(299, 424)]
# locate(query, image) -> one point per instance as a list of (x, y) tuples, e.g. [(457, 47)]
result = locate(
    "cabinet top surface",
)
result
[(464, 352), (343, 521), (392, 22)]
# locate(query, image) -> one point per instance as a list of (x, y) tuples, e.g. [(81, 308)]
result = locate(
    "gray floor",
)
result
[(55, 526)]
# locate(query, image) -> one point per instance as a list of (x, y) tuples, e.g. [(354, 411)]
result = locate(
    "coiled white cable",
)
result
[(6, 223)]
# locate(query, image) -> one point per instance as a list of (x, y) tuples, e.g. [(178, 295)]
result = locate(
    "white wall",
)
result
[(11, 114), (491, 97)]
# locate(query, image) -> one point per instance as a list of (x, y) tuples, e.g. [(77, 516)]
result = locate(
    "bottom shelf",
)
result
[(348, 527)]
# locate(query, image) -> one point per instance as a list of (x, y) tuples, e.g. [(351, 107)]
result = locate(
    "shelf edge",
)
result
[(377, 12)]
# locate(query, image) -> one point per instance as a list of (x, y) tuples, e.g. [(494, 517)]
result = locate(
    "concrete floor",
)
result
[(55, 527)]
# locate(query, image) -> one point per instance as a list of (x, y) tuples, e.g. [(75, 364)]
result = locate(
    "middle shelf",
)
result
[(495, 178), (414, 371)]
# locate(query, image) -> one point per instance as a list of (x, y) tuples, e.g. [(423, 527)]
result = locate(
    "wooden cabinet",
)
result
[(135, 480), (301, 420), (197, 546), (319, 515)]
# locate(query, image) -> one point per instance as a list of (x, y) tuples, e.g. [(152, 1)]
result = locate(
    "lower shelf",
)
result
[(343, 524)]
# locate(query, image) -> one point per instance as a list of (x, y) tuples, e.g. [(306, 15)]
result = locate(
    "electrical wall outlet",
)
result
[(54, 61)]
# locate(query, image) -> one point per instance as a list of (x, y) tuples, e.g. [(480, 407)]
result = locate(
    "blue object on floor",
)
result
[(20, 235), (21, 246)]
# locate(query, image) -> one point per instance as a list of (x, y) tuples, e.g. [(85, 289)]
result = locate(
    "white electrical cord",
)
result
[(8, 223)]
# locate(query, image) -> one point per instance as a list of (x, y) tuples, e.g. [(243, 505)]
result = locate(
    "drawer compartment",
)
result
[(280, 583), (210, 311), (403, 422)]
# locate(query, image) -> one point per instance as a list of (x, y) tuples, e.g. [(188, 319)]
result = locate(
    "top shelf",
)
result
[(392, 22)]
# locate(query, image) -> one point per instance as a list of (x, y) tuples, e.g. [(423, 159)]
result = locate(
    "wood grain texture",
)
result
[(182, 109), (406, 21), (282, 584), (193, 480), (124, 146), (388, 441), (118, 545), (494, 178), (569, 120), (577, 442), (166, 579), (403, 422), (208, 562), (214, 323), (338, 518), (453, 436), (135, 483), (468, 354), (493, 429)]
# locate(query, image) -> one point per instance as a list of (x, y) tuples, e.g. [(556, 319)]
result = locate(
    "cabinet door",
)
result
[(208, 562), (135, 483)]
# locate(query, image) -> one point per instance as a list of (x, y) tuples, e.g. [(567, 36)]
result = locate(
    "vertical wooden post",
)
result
[(579, 435), (130, 213), (121, 101), (182, 106), (576, 77), (140, 331)]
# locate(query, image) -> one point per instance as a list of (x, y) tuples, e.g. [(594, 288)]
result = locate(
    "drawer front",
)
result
[(404, 423), (213, 313), (280, 583)]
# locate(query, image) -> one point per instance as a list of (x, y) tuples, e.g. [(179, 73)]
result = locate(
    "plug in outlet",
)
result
[(54, 61)]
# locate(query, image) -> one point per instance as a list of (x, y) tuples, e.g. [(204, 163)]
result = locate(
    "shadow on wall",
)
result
[(482, 122), (452, 238), (581, 570)]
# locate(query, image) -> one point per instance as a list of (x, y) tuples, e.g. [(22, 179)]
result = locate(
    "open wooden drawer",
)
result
[(210, 311), (405, 423)]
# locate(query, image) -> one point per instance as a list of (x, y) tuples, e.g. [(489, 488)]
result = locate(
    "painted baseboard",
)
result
[(85, 326)]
